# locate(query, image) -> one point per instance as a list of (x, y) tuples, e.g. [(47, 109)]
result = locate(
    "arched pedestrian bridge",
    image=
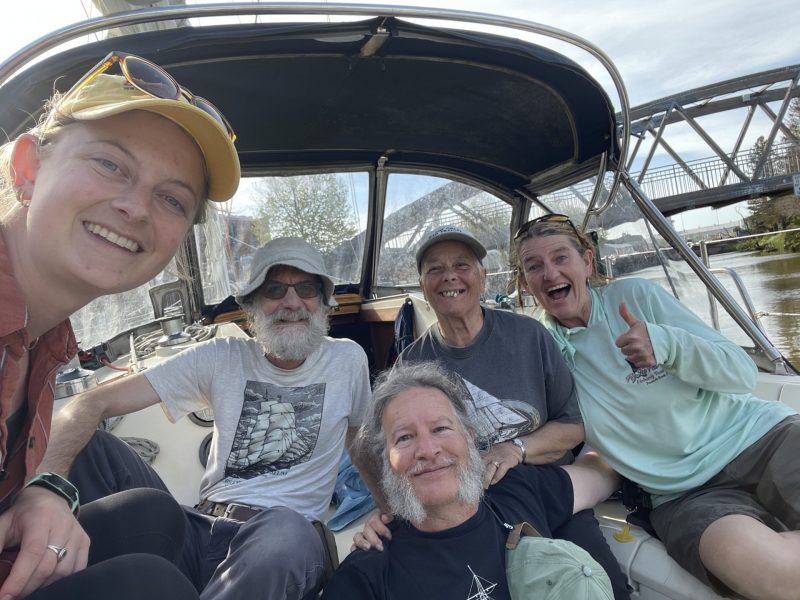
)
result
[(725, 176)]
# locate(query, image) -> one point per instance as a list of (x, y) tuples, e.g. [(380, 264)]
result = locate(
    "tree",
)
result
[(771, 214), (313, 207)]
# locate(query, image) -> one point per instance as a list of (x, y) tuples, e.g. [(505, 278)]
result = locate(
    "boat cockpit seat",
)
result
[(790, 395), (652, 573)]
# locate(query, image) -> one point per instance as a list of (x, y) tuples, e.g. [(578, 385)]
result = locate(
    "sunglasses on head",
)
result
[(275, 290), (151, 79), (548, 218)]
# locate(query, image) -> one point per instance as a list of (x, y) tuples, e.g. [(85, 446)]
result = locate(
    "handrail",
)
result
[(746, 237), (714, 287), (748, 301), (169, 13), (704, 244)]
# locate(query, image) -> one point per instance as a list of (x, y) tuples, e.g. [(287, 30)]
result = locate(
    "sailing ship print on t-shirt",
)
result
[(278, 428), (499, 420)]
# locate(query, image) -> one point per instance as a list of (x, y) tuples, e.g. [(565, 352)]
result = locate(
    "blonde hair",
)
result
[(579, 240), (46, 131)]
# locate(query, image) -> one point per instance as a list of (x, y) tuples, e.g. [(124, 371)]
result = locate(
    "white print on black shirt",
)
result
[(480, 588)]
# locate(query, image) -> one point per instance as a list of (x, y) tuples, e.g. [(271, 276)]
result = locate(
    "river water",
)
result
[(773, 283)]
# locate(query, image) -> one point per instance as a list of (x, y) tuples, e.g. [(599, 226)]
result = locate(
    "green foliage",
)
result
[(773, 214), (313, 207), (780, 243), (792, 242), (750, 245)]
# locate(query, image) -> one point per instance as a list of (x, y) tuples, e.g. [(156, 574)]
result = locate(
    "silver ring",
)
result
[(61, 553), (496, 464)]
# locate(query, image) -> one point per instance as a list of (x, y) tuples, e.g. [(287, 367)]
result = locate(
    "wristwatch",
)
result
[(58, 485), (521, 445)]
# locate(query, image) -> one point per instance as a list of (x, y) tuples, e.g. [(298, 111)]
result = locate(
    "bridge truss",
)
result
[(724, 176)]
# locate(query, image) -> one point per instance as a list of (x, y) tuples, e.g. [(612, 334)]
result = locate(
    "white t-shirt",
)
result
[(278, 434)]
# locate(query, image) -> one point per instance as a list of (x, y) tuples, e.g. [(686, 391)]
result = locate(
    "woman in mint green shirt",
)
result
[(666, 400)]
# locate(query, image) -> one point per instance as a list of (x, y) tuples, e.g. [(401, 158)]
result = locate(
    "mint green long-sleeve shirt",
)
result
[(672, 427)]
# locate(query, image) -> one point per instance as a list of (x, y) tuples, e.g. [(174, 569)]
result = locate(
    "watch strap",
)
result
[(521, 445), (58, 485)]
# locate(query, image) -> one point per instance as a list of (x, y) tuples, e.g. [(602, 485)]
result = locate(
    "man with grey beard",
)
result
[(286, 402), (449, 540)]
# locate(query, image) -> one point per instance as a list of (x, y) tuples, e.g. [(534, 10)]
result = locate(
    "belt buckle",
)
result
[(230, 509)]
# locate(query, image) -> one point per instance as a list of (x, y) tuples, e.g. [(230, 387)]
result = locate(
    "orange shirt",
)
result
[(54, 349)]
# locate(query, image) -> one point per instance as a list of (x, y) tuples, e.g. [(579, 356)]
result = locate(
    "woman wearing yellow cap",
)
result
[(94, 200)]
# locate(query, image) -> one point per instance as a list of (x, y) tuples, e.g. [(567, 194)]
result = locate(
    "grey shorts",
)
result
[(763, 482)]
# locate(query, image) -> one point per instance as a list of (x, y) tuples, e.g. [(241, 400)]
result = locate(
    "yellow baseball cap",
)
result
[(108, 95)]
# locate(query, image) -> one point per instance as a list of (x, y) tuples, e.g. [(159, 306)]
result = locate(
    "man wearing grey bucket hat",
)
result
[(289, 252), (286, 402)]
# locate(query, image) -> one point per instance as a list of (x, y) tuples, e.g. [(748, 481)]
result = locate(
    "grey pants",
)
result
[(763, 482), (275, 555)]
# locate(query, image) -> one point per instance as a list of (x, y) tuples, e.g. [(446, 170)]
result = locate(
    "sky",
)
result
[(660, 47)]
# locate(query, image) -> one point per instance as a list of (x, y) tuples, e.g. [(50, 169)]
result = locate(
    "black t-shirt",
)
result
[(452, 564)]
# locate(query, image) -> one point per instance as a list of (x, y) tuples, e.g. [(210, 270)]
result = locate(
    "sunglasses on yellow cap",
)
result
[(548, 218), (151, 79)]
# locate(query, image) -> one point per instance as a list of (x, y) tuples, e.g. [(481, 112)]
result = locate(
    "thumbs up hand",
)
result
[(635, 343)]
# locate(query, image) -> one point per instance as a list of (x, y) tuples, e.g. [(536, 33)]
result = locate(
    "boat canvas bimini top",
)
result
[(410, 118)]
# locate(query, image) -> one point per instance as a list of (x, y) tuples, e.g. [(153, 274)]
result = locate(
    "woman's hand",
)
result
[(635, 343), (375, 528), (498, 460), (38, 519)]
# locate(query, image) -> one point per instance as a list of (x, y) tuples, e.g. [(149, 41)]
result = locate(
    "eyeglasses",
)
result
[(151, 79), (275, 290), (548, 218)]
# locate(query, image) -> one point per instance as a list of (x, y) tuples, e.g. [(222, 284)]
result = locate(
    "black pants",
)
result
[(107, 465), (136, 537), (583, 530)]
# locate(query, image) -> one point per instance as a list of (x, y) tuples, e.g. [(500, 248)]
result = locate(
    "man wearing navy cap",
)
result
[(522, 394)]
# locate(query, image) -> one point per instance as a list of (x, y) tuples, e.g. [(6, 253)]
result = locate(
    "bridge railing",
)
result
[(702, 174), (707, 173)]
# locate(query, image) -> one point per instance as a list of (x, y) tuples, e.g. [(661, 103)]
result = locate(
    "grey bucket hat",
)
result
[(445, 233), (291, 252)]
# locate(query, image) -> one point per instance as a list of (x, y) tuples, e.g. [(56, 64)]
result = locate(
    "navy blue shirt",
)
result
[(451, 564)]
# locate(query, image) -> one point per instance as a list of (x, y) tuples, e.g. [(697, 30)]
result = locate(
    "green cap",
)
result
[(546, 569)]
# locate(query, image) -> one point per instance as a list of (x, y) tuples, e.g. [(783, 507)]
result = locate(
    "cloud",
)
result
[(660, 48)]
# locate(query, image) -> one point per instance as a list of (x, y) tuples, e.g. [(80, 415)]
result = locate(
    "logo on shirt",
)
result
[(480, 588), (647, 376), (278, 428)]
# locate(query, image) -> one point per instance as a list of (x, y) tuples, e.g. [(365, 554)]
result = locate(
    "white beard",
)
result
[(405, 503), (290, 342)]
